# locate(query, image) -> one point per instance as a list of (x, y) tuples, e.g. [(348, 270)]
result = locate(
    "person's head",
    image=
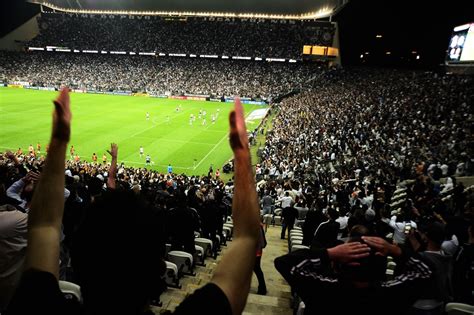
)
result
[(115, 255), (433, 234), (333, 214), (367, 270)]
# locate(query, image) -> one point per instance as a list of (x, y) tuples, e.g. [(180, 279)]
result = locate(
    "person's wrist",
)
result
[(395, 250)]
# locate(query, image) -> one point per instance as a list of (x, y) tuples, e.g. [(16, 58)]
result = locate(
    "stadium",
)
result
[(245, 157)]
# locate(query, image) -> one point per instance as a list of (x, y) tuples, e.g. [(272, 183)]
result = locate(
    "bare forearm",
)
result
[(48, 201), (112, 171), (44, 218), (245, 203)]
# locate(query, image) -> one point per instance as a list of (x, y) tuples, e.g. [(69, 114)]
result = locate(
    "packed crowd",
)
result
[(262, 38), (175, 76), (108, 222), (338, 156), (335, 156)]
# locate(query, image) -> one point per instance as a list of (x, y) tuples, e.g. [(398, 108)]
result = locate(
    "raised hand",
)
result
[(31, 176), (113, 150), (348, 252), (62, 116), (238, 132)]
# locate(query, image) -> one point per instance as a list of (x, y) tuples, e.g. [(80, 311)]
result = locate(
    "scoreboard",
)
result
[(461, 45)]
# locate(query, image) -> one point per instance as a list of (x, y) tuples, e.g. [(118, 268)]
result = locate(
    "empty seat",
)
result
[(183, 260), (227, 231), (199, 255), (206, 244), (72, 289), (168, 248), (459, 309), (277, 220), (172, 275)]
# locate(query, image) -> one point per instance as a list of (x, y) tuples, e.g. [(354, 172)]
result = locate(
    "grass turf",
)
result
[(98, 120)]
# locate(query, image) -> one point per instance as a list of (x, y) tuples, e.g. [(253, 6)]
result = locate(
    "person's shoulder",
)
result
[(39, 293), (199, 302)]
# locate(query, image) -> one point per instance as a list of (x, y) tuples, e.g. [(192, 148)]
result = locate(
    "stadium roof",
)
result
[(302, 9)]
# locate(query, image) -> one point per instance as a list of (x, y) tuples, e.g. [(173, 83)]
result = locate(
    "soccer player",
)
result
[(147, 159), (104, 158), (147, 116), (213, 118), (38, 147), (204, 113), (141, 151), (191, 119), (76, 158), (203, 120), (170, 169), (218, 174), (19, 152), (71, 151), (94, 158), (31, 150)]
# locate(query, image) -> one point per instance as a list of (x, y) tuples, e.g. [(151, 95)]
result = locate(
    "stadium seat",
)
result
[(183, 260), (199, 255), (172, 275), (459, 309), (427, 307), (206, 244), (226, 231), (71, 289)]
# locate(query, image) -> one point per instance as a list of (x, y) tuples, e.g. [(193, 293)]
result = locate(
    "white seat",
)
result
[(301, 308), (227, 231), (168, 248), (73, 289), (277, 220), (183, 260), (199, 255), (206, 244), (459, 309), (267, 219), (172, 275)]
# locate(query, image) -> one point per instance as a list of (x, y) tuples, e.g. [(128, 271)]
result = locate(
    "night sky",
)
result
[(417, 26)]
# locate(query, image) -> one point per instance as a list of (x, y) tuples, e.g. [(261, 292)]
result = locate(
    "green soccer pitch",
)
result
[(98, 120)]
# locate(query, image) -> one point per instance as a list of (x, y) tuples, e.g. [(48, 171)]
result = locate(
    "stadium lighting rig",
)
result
[(321, 13)]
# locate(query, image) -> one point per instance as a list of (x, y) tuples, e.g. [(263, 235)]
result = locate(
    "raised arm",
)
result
[(113, 166), (234, 273), (45, 216)]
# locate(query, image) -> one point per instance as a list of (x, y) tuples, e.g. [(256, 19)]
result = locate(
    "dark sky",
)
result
[(405, 26)]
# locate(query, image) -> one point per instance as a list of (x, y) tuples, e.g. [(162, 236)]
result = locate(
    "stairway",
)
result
[(277, 300)]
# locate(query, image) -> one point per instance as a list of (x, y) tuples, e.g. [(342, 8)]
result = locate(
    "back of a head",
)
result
[(115, 254), (434, 231), (371, 269)]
